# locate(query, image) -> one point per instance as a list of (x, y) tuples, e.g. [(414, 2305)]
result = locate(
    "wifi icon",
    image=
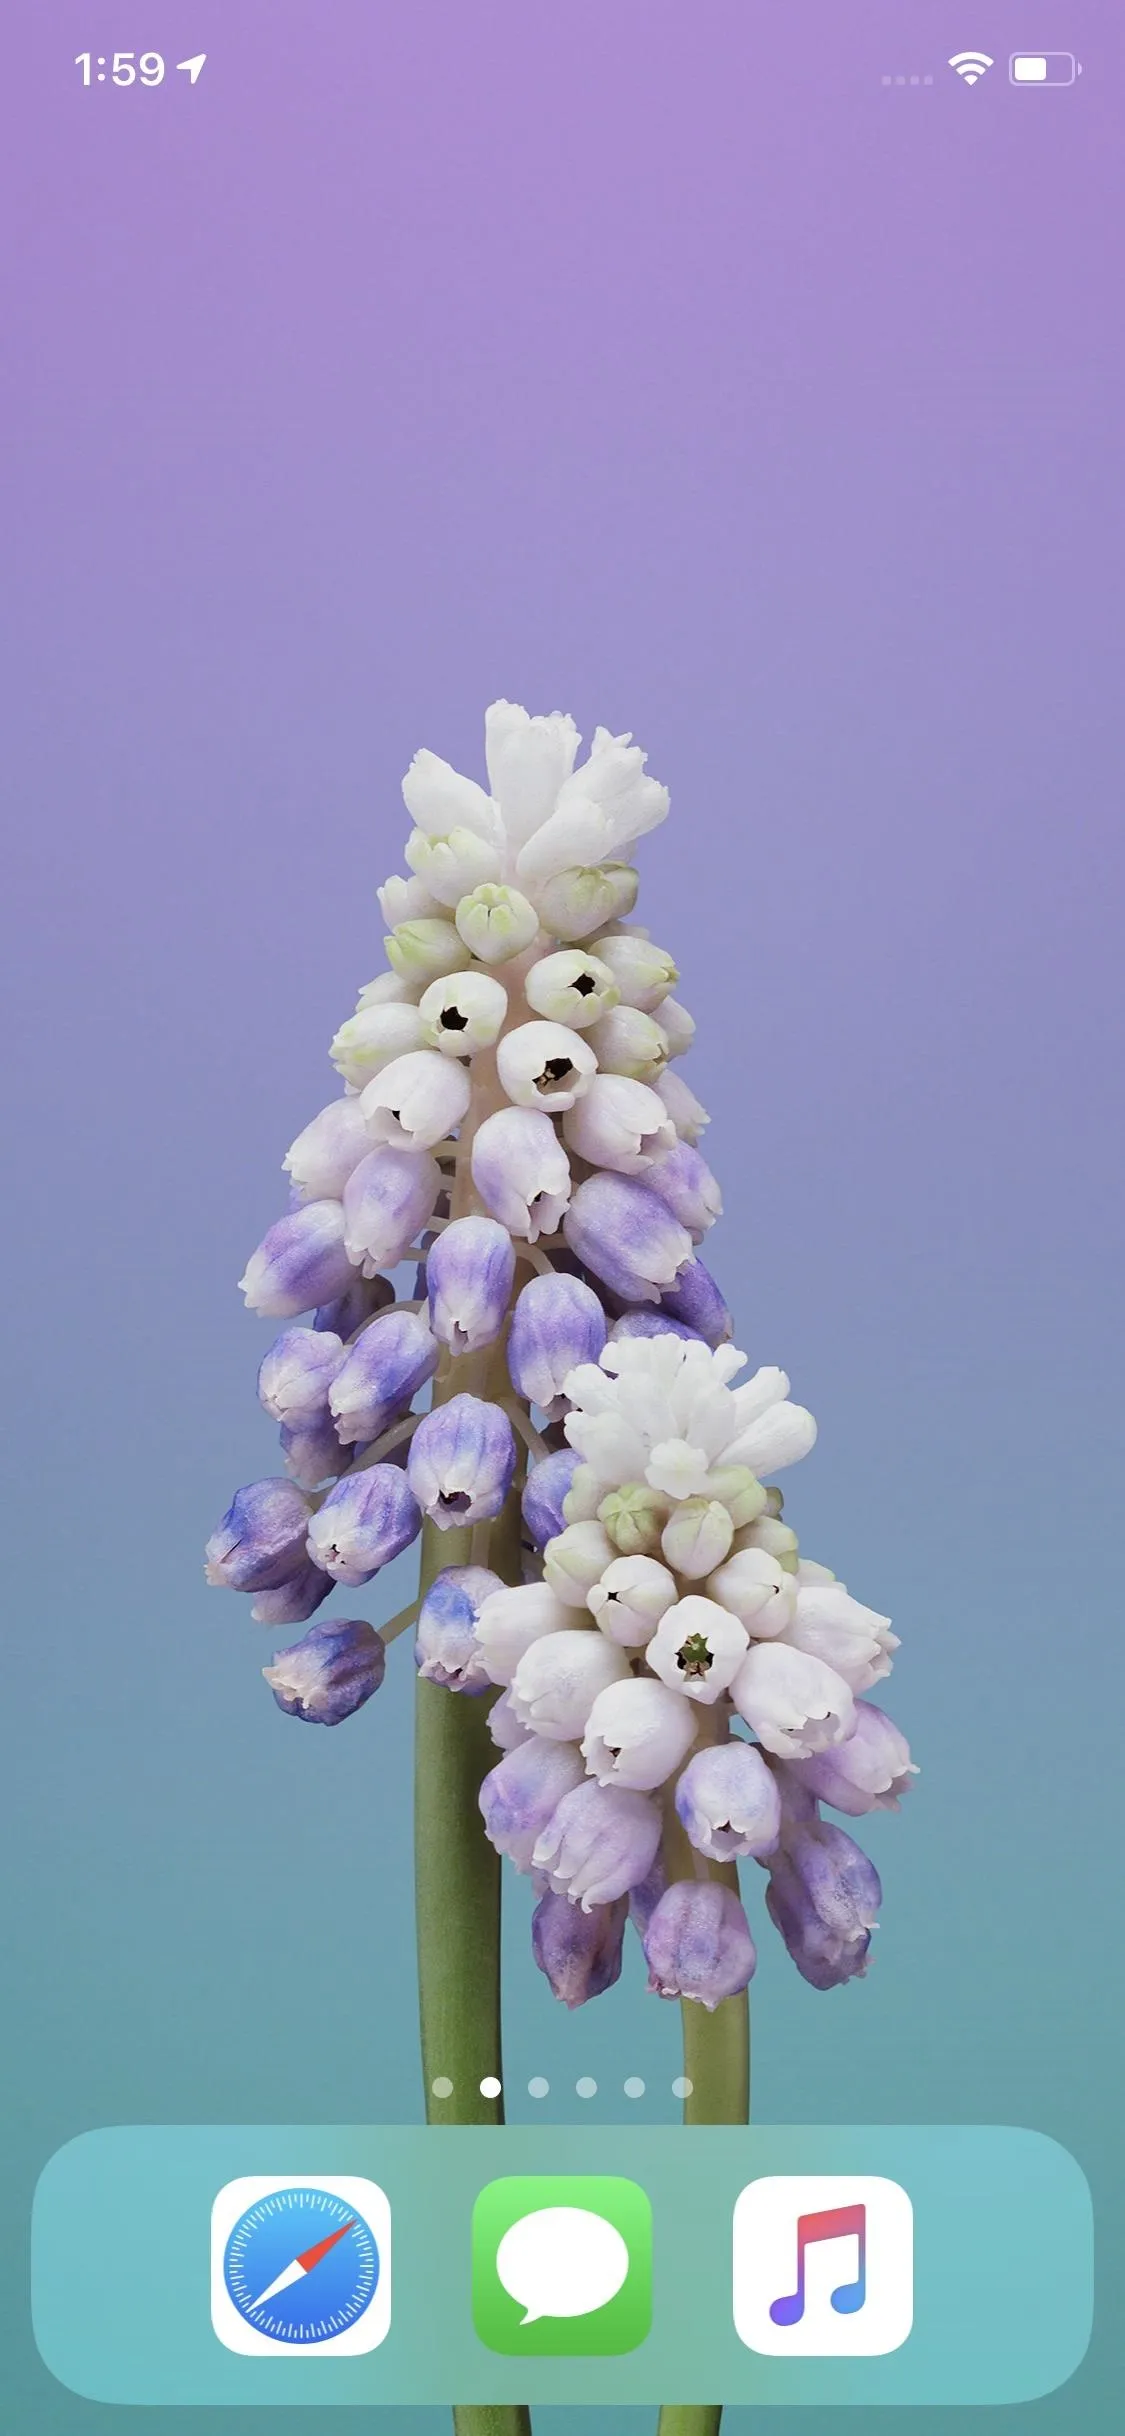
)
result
[(970, 66)]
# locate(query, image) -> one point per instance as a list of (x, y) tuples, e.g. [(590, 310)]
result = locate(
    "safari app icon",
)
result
[(823, 2266), (562, 2265)]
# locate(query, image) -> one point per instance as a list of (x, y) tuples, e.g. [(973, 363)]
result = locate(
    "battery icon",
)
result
[(1043, 68)]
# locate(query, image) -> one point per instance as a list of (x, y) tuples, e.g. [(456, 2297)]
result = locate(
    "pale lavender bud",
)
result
[(644, 974), (313, 1452), (367, 1519), (506, 1731), (557, 1323), (629, 1042), (511, 1618), (689, 1116), (728, 1803), (545, 1065), (368, 1041), (600, 1842), (698, 1649), (521, 1171), (296, 1599), (698, 1944), (463, 1012), (587, 896), (823, 1895), (559, 1678), (695, 1298), (637, 1734), (574, 1561), (328, 1676), (469, 1276), (496, 923), (521, 1793), (571, 987), (295, 1377), (629, 1599), (302, 1261), (853, 1639), (321, 1159), (651, 1322), (381, 1375), (627, 1236), (684, 1180), (416, 1100), (426, 949), (756, 1590), (620, 1123), (697, 1536), (545, 1488), (462, 1458), (677, 1026), (793, 1703), (578, 1952), (260, 1542), (359, 1302), (387, 1201), (867, 1772), (633, 1517), (446, 1648)]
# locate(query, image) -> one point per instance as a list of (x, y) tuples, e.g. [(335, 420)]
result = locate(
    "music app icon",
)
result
[(823, 2265)]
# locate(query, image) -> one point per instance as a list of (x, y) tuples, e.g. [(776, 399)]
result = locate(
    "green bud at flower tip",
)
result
[(633, 1517)]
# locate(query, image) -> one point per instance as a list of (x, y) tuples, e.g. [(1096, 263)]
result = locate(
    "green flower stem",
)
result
[(456, 1871)]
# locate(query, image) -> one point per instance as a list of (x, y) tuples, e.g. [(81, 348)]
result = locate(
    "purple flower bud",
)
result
[(365, 1521), (387, 1200), (728, 1802), (446, 1649), (523, 1791), (321, 1159), (469, 1277), (822, 1896), (698, 1944), (546, 1486), (557, 1323), (299, 1263), (461, 1462), (599, 1842), (295, 1600), (295, 1377), (313, 1453), (381, 1375), (695, 1299), (358, 1303), (627, 1236), (260, 1541), (644, 1898), (578, 1952), (328, 1676), (867, 1772), (521, 1171), (652, 1323), (684, 1180)]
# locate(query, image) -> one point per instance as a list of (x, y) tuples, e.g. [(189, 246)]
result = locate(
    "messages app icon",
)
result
[(562, 2265)]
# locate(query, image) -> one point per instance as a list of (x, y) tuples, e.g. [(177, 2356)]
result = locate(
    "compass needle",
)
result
[(302, 2266)]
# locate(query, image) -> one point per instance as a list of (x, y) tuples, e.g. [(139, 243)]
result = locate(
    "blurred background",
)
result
[(672, 368)]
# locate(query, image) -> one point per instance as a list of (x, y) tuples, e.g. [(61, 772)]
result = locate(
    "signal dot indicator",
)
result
[(490, 2086)]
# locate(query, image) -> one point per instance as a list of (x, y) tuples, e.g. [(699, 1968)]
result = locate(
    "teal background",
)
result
[(655, 361), (1002, 2264)]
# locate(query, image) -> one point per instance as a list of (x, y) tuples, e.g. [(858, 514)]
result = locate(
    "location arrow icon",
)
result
[(192, 66)]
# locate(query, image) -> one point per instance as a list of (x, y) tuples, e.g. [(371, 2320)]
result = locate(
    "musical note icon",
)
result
[(850, 2302), (826, 2224)]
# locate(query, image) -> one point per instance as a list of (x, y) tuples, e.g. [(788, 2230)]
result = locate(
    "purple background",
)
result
[(658, 363)]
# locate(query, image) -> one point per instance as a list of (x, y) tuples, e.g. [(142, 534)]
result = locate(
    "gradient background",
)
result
[(659, 363)]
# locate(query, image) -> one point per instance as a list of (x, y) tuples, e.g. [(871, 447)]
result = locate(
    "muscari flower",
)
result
[(728, 1803), (571, 987), (620, 1124), (628, 1041), (599, 1842), (627, 1236), (579, 901), (361, 1299), (683, 1179), (446, 1648), (368, 1518), (313, 1452), (300, 1262), (557, 1322), (853, 1639), (521, 1171), (697, 1649), (469, 1276), (520, 1795), (426, 948), (689, 1116), (387, 1201), (297, 1373), (558, 1680), (260, 1542), (579, 1952), (371, 1039), (462, 1460), (330, 1673), (381, 1374), (630, 1597), (795, 1704), (698, 1944), (463, 1013), (416, 1100), (294, 1600), (545, 1065), (545, 1488), (511, 1618), (637, 1733), (321, 1159), (695, 1298), (574, 1561), (867, 1772), (496, 923), (644, 974), (823, 1895)]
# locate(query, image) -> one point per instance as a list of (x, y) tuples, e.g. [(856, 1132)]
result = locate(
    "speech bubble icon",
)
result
[(562, 2263)]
